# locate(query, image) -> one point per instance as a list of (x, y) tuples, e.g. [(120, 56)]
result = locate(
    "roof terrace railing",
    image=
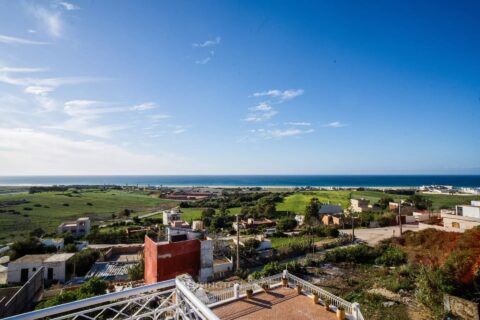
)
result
[(178, 298)]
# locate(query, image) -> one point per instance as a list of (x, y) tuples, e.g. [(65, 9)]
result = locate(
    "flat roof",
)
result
[(278, 304), (32, 258), (59, 257), (40, 258)]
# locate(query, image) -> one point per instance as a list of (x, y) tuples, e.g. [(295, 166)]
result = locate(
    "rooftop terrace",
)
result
[(182, 298), (279, 303)]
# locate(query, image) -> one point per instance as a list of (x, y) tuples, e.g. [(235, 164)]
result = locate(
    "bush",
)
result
[(358, 254), (286, 224), (136, 272), (392, 256)]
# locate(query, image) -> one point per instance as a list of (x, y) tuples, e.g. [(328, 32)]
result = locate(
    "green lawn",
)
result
[(48, 209), (298, 201), (196, 213)]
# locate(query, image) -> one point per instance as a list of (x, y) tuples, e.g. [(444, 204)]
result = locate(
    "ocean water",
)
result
[(251, 180)]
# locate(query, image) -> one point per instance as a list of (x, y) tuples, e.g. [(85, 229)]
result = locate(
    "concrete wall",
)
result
[(14, 270), (458, 223), (462, 308), (150, 253), (206, 261)]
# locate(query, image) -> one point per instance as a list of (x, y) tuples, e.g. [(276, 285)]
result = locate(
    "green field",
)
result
[(49, 209), (285, 242), (196, 213), (298, 201)]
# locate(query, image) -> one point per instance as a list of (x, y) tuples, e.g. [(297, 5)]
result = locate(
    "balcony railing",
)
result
[(176, 298)]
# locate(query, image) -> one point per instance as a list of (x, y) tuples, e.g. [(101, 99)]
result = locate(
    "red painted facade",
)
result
[(165, 261)]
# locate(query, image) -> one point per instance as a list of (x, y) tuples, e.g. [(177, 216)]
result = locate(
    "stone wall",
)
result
[(462, 308)]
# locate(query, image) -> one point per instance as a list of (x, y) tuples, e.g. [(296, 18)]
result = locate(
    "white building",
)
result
[(23, 268), (463, 218), (300, 219), (171, 216), (79, 228)]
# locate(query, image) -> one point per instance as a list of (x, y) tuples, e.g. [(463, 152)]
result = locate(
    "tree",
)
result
[(38, 232), (286, 224), (70, 248), (28, 246), (94, 286), (84, 260), (384, 201), (420, 202), (311, 212)]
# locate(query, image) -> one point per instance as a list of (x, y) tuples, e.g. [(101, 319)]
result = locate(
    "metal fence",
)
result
[(22, 300)]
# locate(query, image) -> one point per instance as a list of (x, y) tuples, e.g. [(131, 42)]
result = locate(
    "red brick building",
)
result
[(166, 260)]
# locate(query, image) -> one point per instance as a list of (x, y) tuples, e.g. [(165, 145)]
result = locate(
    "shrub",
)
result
[(392, 256)]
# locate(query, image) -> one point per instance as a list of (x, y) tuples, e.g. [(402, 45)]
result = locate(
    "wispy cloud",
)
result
[(23, 151), (69, 6), (287, 133), (159, 117), (262, 106), (260, 116), (21, 70), (298, 123), (15, 40), (144, 106), (335, 124), (203, 61), (51, 21), (208, 43), (279, 94), (38, 90), (269, 134)]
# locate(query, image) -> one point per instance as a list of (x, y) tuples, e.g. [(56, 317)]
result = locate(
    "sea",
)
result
[(472, 181)]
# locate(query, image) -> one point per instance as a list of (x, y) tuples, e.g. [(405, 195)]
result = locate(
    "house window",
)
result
[(456, 225)]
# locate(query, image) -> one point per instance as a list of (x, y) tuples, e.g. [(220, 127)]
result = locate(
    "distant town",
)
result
[(363, 253)]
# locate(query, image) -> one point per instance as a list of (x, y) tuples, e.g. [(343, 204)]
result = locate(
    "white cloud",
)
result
[(144, 106), (335, 124), (179, 130), (208, 43), (280, 95), (38, 90), (30, 152), (260, 116), (69, 6), (49, 20), (21, 70), (262, 106), (159, 116), (287, 133), (298, 123), (203, 61), (14, 40)]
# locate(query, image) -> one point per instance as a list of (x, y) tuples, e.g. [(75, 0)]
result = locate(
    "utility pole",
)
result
[(238, 244), (400, 215), (350, 209)]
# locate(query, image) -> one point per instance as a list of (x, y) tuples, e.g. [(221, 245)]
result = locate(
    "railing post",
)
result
[(285, 273), (236, 290), (355, 310)]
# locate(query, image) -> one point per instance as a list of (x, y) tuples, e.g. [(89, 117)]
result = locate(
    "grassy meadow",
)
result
[(299, 200), (48, 209)]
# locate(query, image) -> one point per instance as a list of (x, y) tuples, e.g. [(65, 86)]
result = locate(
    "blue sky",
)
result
[(239, 87)]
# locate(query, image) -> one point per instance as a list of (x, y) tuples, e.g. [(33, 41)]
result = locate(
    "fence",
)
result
[(22, 300)]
